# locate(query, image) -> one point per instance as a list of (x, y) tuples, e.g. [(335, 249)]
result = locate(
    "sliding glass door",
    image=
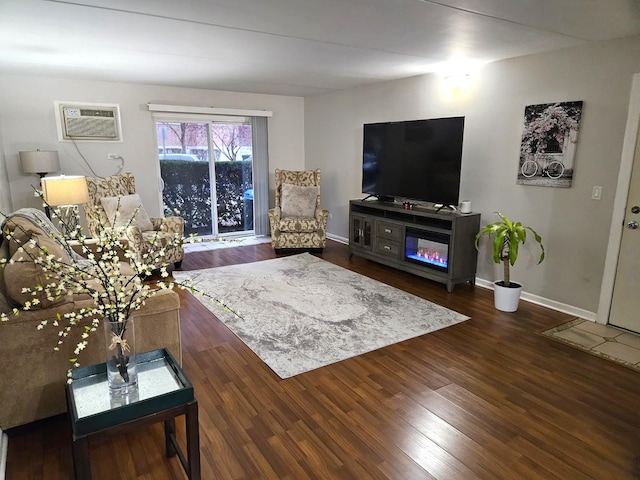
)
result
[(233, 165), (207, 171)]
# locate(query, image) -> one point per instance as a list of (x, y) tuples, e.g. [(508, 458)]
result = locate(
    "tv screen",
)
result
[(415, 159)]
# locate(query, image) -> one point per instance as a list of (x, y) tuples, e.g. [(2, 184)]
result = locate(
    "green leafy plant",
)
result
[(507, 235)]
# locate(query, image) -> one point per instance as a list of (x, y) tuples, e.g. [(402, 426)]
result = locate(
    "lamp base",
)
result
[(67, 216)]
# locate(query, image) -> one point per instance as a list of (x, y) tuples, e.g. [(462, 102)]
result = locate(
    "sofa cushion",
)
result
[(298, 224), (126, 274), (23, 272), (5, 306), (297, 201), (129, 205)]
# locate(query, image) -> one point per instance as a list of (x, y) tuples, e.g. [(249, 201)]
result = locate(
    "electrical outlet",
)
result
[(596, 194), (113, 156)]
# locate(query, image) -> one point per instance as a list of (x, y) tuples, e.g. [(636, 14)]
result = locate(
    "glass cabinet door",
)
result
[(356, 229), (361, 231)]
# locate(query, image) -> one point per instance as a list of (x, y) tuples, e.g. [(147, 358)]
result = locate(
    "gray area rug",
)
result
[(300, 312)]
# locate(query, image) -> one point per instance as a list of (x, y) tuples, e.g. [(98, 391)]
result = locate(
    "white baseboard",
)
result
[(336, 238), (527, 297), (545, 302), (4, 445)]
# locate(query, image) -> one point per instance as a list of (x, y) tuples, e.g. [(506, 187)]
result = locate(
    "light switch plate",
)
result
[(596, 194)]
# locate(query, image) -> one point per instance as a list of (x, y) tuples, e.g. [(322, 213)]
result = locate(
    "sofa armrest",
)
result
[(169, 224), (33, 375), (322, 215), (274, 221)]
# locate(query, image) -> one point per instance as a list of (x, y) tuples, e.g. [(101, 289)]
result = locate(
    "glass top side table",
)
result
[(163, 393)]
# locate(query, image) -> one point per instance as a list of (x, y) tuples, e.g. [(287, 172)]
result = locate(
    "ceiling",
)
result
[(290, 47)]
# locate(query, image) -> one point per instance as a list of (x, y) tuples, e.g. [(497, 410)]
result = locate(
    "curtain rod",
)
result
[(158, 107)]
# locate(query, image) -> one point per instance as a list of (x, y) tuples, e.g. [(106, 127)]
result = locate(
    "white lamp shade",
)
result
[(65, 190), (40, 161)]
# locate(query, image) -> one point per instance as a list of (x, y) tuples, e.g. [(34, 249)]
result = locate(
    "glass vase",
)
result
[(120, 342)]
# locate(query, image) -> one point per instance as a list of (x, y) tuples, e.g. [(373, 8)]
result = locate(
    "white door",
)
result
[(625, 306)]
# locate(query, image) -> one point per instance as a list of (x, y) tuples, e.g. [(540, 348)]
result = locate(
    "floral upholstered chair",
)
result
[(298, 221), (114, 199)]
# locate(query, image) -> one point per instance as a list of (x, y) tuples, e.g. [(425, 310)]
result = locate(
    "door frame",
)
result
[(209, 120), (619, 206)]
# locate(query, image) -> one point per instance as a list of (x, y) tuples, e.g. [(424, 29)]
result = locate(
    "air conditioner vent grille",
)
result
[(89, 122), (94, 127)]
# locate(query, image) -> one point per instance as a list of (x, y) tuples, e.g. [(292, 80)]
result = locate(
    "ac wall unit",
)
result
[(80, 121)]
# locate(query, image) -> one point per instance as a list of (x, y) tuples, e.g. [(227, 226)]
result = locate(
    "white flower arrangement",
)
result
[(116, 289)]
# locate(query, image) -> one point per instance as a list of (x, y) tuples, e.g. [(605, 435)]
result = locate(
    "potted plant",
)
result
[(507, 235)]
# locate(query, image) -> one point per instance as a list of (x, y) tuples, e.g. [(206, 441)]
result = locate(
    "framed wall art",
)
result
[(548, 146)]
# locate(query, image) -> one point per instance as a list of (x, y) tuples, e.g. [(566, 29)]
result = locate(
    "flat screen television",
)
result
[(415, 159)]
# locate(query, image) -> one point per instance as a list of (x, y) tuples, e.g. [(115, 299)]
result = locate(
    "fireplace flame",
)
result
[(432, 256)]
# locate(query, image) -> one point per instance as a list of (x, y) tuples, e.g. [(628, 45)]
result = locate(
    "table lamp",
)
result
[(40, 162), (65, 192)]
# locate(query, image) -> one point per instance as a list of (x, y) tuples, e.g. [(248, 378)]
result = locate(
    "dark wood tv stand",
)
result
[(382, 231)]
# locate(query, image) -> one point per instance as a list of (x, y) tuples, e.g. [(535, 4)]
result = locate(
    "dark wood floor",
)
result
[(489, 398)]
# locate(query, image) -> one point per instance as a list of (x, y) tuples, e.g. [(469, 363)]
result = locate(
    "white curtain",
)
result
[(260, 175)]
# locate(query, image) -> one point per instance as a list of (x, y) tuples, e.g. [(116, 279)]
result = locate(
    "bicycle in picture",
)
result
[(544, 165)]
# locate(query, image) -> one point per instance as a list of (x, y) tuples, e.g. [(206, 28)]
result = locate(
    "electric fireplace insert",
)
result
[(427, 248)]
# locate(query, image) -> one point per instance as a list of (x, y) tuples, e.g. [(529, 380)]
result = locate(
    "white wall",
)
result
[(575, 228), (27, 122), (325, 132), (5, 188)]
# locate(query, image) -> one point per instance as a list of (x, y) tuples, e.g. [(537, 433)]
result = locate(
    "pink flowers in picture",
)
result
[(549, 139)]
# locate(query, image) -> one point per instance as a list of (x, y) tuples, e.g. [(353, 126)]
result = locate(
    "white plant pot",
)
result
[(506, 299)]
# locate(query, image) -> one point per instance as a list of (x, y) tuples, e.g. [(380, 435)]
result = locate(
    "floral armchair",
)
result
[(114, 198), (298, 221)]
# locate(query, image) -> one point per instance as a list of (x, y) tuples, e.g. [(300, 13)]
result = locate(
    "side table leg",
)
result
[(81, 461), (170, 436), (193, 441)]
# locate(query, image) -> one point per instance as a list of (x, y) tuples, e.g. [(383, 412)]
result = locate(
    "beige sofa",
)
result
[(33, 375)]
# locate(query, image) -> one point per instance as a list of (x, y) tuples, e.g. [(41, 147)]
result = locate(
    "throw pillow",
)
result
[(130, 205), (24, 273), (297, 201)]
